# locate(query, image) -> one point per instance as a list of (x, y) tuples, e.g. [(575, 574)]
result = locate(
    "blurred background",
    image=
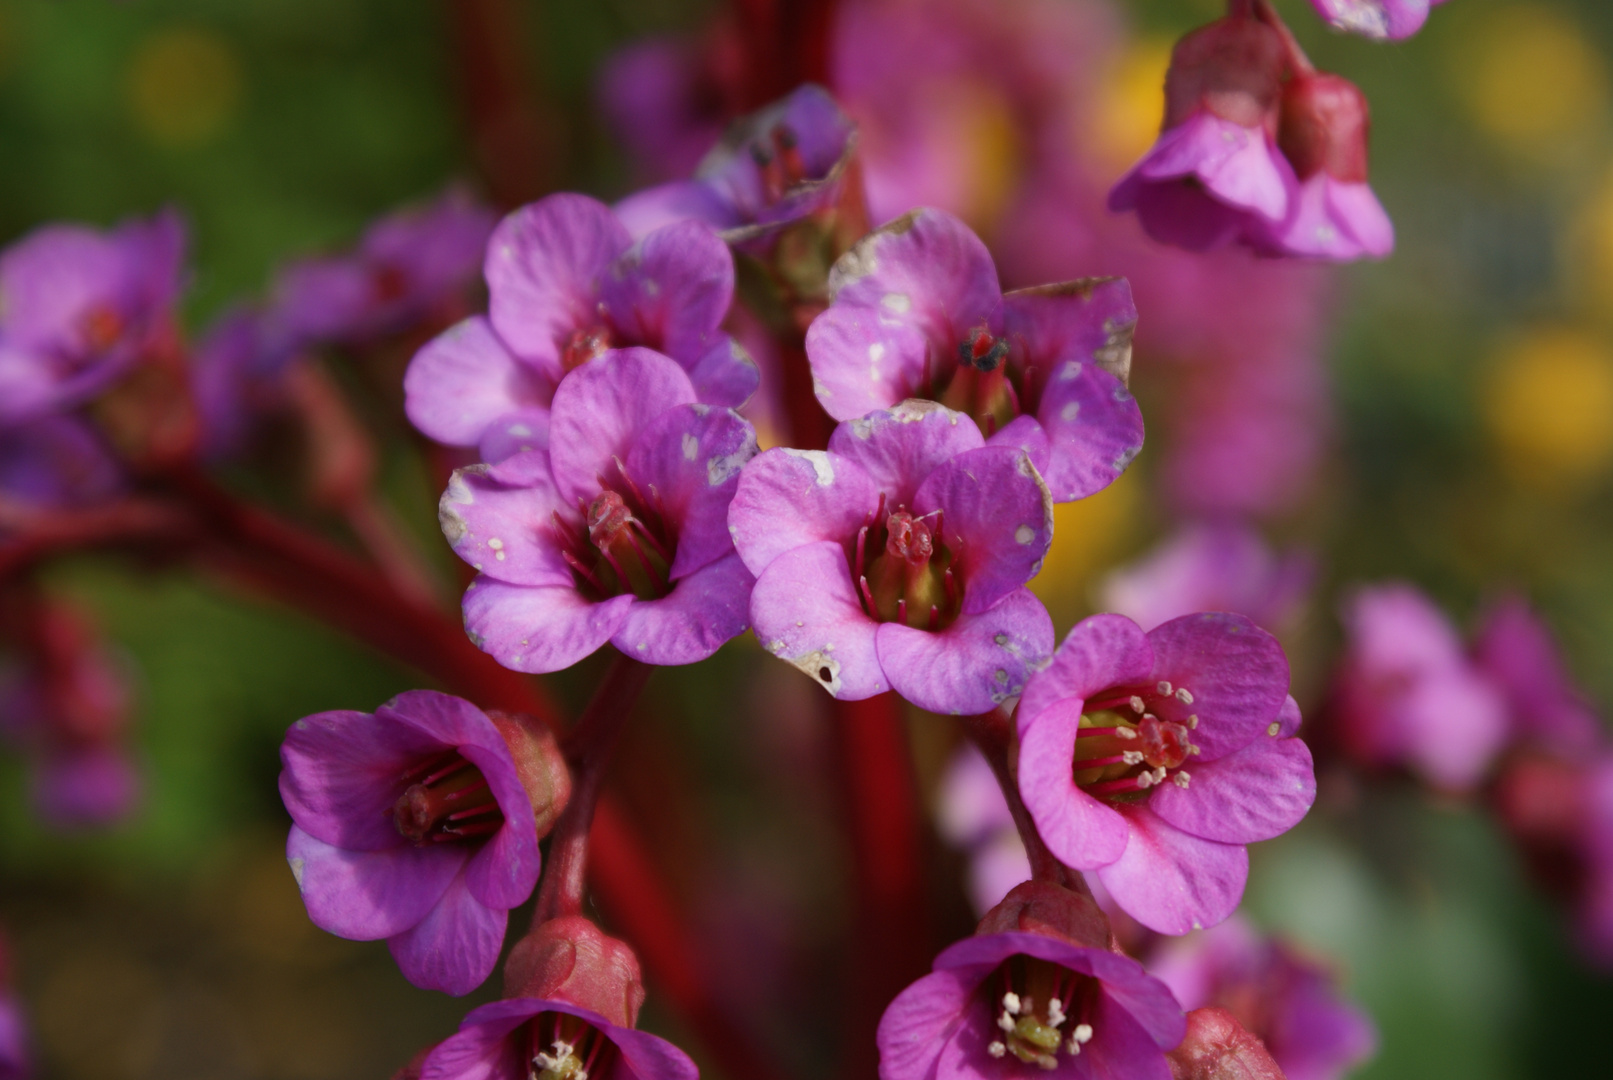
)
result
[(1454, 409)]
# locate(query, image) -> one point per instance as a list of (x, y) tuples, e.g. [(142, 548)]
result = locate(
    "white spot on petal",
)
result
[(691, 447), (822, 467), (1024, 534), (896, 302)]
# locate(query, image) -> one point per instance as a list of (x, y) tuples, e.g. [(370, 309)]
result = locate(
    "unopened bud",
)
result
[(1232, 68), (539, 764), (1324, 128), (1040, 907), (1217, 1047), (570, 959)]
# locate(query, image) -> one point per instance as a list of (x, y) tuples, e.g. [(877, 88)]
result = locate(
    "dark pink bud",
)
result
[(1217, 1047), (1040, 907), (538, 763), (1324, 128), (1232, 68), (571, 960)]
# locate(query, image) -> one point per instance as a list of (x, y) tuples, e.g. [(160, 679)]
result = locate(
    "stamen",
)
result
[(1137, 704), (1011, 1003), (1094, 732), (1164, 687), (1006, 1021), (996, 1049), (1126, 732), (1130, 757), (1182, 779), (1082, 1033), (1192, 721), (1184, 696)]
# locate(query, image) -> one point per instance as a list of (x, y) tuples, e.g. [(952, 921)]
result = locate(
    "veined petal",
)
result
[(978, 662), (805, 611), (1173, 882)]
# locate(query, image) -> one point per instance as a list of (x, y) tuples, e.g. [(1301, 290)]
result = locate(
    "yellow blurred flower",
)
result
[(1131, 104), (1549, 407), (1087, 537), (1530, 79), (1589, 243), (184, 85)]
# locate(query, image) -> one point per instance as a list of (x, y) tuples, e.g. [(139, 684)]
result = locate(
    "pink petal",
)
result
[(499, 519), (369, 895), (862, 361), (1081, 831), (973, 665), (704, 610), (454, 948), (726, 374), (671, 291), (539, 629), (998, 520), (788, 498), (691, 456), (601, 408), (898, 448), (1236, 673), (1172, 882), (806, 612), (1101, 652), (343, 772), (1254, 794), (464, 379), (921, 1021)]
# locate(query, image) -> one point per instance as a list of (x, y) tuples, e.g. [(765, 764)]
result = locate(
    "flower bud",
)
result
[(1232, 68), (538, 763), (1324, 127), (571, 960), (1217, 1047), (1040, 907)]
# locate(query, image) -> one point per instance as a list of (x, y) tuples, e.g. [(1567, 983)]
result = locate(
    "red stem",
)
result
[(588, 747), (993, 734), (1299, 64), (892, 935)]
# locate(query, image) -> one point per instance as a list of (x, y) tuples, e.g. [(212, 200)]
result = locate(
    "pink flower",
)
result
[(567, 282), (613, 528), (1547, 711), (1406, 694), (916, 312), (413, 824), (1216, 174), (1030, 997), (78, 308), (1211, 567), (897, 559), (575, 998), (1291, 1003), (1152, 759), (1333, 213), (1386, 20)]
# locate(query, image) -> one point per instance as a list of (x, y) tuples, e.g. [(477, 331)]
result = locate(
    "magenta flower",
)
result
[(1333, 213), (897, 559), (411, 824), (56, 461), (1406, 694), (1291, 1003), (1386, 20), (567, 283), (916, 312), (773, 167), (616, 531), (1018, 1004), (665, 104), (1220, 566), (1216, 174), (1153, 759), (408, 264), (540, 1039), (79, 307), (1515, 648)]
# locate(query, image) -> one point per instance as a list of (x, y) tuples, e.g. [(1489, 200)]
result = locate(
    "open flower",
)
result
[(408, 265), (616, 531), (1291, 1003), (897, 559), (773, 167), (566, 283), (575, 996), (1028, 996), (1547, 711), (79, 307), (1406, 694), (1216, 175), (916, 312), (1152, 759), (413, 824)]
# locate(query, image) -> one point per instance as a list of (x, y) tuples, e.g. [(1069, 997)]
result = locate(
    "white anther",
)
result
[(1132, 757), (1183, 696), (1192, 749), (1006, 1021), (1274, 729), (1159, 775), (1164, 687), (1193, 721), (1145, 779), (1011, 1004), (1182, 779), (996, 1049), (1150, 716), (1125, 733), (1073, 1046), (1082, 1033), (1055, 1013), (1137, 705)]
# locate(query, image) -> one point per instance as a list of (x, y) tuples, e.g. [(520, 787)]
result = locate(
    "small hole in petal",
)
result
[(825, 674)]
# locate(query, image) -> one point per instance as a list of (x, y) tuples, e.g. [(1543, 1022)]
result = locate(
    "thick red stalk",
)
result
[(993, 734), (588, 747), (1298, 63), (892, 934), (787, 42), (810, 426), (514, 140)]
